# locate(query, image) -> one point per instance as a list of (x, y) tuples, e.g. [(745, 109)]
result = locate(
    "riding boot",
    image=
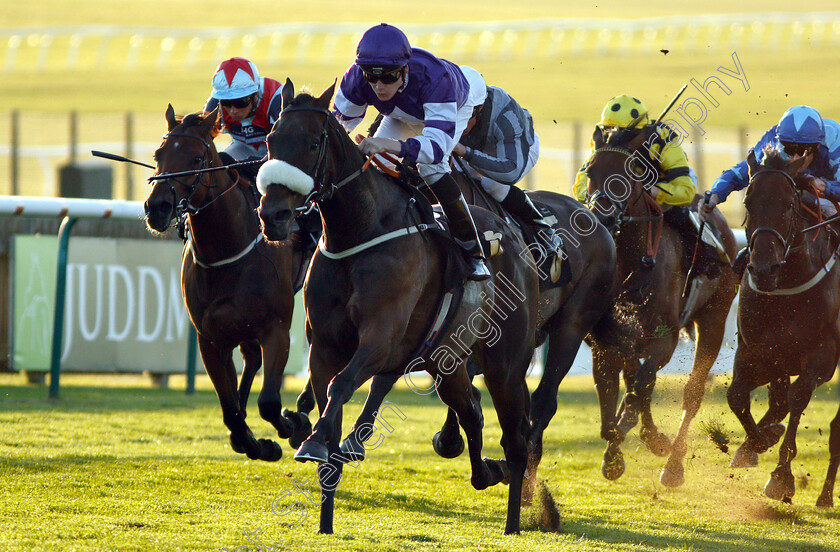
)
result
[(461, 224), (708, 260), (518, 204)]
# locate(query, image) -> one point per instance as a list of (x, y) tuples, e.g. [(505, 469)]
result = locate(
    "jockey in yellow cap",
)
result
[(676, 186), (675, 176)]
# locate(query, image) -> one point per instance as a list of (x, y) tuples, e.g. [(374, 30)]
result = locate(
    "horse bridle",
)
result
[(321, 191), (618, 207), (787, 242), (185, 206)]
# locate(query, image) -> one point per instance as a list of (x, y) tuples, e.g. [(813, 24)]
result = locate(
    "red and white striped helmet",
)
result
[(235, 78)]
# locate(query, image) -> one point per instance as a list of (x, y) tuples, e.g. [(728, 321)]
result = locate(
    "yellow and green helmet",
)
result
[(622, 111)]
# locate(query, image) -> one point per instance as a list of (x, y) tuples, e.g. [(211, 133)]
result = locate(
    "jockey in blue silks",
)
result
[(801, 132), (426, 105)]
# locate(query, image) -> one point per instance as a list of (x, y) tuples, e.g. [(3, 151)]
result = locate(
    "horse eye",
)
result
[(313, 146), (197, 160)]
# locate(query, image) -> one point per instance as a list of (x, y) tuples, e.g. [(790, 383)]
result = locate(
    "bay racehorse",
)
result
[(566, 313), (239, 290), (643, 329), (787, 318), (373, 289)]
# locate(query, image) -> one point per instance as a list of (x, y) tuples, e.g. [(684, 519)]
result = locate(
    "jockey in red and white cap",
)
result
[(250, 105)]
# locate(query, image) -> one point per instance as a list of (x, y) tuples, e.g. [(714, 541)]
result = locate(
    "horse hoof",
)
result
[(236, 445), (672, 477), (352, 450), (658, 444), (312, 451), (780, 486), (450, 448), (773, 433), (302, 427), (825, 500), (613, 465), (744, 457), (269, 450)]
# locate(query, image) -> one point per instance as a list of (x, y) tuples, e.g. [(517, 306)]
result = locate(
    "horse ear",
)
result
[(752, 163), (217, 127), (324, 99), (170, 117), (288, 93), (210, 123), (598, 137)]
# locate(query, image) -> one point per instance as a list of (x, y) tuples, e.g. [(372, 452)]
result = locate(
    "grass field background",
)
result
[(557, 90), (117, 465)]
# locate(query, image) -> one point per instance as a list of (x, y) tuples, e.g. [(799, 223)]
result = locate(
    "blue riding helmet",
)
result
[(383, 46), (801, 125)]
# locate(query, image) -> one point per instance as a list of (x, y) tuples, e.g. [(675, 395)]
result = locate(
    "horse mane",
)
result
[(195, 119), (621, 136), (774, 158)]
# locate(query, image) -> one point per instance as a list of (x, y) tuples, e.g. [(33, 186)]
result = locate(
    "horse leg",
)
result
[(746, 376), (329, 477), (769, 425), (352, 446), (710, 328), (455, 390), (322, 370), (637, 401), (816, 370), (563, 343), (300, 419), (252, 355), (275, 349), (219, 366), (511, 403), (606, 366), (781, 484), (826, 498), (369, 356)]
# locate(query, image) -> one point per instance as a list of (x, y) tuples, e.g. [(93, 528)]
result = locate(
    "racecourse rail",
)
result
[(70, 210), (71, 47)]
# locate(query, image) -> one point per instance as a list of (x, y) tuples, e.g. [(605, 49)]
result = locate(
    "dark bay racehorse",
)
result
[(566, 313), (237, 288), (650, 311), (787, 319), (369, 308)]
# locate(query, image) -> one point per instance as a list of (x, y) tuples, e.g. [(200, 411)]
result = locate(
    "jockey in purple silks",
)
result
[(426, 105)]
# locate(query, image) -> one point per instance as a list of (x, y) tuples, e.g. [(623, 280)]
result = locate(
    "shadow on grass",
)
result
[(606, 531)]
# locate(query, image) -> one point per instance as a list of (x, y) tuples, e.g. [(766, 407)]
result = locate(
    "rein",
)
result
[(185, 207), (322, 191), (654, 210), (787, 243)]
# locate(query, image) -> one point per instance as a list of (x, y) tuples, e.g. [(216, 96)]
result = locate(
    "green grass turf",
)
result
[(117, 465)]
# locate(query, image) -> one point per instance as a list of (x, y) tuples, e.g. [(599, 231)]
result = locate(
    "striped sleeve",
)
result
[(349, 107), (508, 162), (438, 136)]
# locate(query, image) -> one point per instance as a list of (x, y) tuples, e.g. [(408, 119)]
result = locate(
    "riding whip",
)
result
[(671, 104), (688, 277)]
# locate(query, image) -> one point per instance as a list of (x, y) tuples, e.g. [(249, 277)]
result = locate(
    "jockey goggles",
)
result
[(372, 75), (238, 103), (792, 148)]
